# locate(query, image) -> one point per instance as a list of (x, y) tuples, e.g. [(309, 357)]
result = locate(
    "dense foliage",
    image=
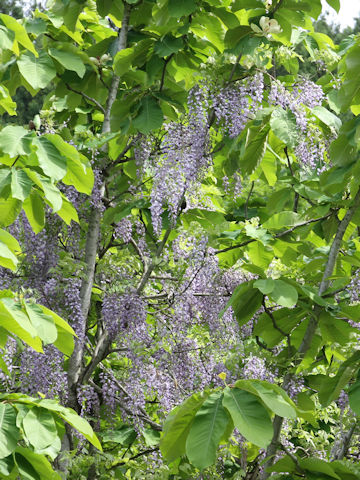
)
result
[(187, 199)]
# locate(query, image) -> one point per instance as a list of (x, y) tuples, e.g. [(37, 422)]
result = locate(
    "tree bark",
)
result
[(313, 323)]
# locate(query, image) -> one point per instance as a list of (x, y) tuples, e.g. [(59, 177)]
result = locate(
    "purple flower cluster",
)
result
[(123, 230), (183, 160), (236, 104), (43, 372)]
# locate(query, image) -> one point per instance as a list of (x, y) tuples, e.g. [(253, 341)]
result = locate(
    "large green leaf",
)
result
[(69, 60), (34, 209), (249, 416), (13, 319), (209, 425), (79, 172), (9, 210), (245, 302), (327, 117), (37, 71), (71, 417), (255, 148), (65, 334), (50, 159), (168, 45), (15, 140), (43, 323), (40, 428), (354, 396), (284, 294), (51, 192), (39, 463), (177, 426), (20, 184), (21, 35), (335, 4), (7, 257), (179, 9), (9, 433), (150, 116), (330, 387), (319, 466), (283, 124), (6, 102), (123, 60), (274, 397)]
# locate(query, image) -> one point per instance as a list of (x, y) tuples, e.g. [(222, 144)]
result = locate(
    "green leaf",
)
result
[(9, 433), (65, 334), (209, 425), (79, 172), (179, 9), (265, 286), (34, 210), (20, 33), (44, 324), (13, 319), (245, 302), (70, 416), (330, 387), (255, 147), (177, 426), (249, 416), (7, 465), (20, 184), (67, 212), (151, 437), (40, 428), (335, 4), (319, 466), (274, 397), (168, 45), (281, 220), (354, 396), (51, 192), (69, 60), (6, 101), (150, 116), (124, 436), (283, 124), (50, 159), (9, 210), (39, 463), (37, 71), (123, 60), (7, 257), (327, 117), (26, 470), (15, 141), (284, 294)]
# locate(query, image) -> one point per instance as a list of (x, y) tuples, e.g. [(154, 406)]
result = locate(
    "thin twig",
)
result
[(248, 198), (164, 71), (278, 235), (90, 99)]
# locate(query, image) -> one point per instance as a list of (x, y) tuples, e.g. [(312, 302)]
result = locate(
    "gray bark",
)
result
[(313, 322)]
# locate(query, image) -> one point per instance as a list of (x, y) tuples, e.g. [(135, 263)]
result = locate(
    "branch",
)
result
[(90, 99), (306, 343), (296, 199), (277, 6), (164, 71), (248, 198), (92, 242), (345, 443), (278, 235)]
